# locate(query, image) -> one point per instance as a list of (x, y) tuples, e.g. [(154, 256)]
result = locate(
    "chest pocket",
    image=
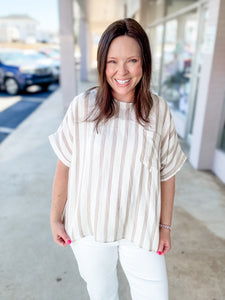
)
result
[(150, 152)]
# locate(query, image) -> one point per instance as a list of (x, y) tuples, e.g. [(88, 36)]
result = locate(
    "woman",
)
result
[(115, 178)]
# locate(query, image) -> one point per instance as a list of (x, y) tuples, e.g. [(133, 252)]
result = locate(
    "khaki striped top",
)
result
[(115, 174)]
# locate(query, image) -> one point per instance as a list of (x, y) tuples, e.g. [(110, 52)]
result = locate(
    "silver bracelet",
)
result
[(165, 226)]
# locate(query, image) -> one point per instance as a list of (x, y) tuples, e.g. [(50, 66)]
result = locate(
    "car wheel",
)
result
[(11, 86)]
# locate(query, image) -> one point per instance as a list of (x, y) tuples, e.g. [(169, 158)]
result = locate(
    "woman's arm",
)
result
[(167, 199), (59, 197)]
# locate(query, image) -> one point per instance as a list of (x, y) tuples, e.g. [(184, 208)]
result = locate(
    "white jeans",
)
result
[(97, 263)]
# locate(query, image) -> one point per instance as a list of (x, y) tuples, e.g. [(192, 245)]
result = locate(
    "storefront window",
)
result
[(222, 143), (199, 61), (156, 36), (179, 48)]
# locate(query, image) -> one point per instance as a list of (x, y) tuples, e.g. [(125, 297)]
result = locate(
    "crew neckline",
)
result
[(124, 104)]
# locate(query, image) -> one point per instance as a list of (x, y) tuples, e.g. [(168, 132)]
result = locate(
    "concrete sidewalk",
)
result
[(33, 267)]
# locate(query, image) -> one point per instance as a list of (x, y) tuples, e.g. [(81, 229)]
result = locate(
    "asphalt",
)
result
[(34, 268), (16, 108)]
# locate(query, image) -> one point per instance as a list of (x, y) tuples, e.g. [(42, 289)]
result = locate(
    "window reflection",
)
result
[(156, 39), (221, 140), (180, 41), (222, 144)]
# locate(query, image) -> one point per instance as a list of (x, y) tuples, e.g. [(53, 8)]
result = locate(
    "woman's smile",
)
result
[(122, 83)]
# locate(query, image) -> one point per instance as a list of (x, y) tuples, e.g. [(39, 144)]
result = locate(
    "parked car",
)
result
[(54, 55), (51, 52), (22, 68)]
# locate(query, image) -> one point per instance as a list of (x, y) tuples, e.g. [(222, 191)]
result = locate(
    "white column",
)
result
[(144, 13), (211, 90), (66, 32), (83, 49)]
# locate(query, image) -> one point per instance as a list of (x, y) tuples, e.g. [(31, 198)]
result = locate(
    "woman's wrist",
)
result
[(165, 226), (55, 218)]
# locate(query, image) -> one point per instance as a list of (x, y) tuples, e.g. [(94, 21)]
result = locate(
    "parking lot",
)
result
[(14, 109)]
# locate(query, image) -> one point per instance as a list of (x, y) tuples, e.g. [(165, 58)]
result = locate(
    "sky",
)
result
[(44, 11)]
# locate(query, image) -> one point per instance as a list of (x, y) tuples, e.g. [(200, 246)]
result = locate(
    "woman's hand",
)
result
[(59, 234), (59, 198), (164, 241)]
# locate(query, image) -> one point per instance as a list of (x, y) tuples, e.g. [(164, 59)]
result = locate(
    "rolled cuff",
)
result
[(57, 150), (169, 174)]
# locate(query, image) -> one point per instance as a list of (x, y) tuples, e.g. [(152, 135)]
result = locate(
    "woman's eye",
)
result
[(133, 60), (111, 62)]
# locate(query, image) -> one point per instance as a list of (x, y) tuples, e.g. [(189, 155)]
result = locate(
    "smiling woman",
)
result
[(135, 49), (115, 179)]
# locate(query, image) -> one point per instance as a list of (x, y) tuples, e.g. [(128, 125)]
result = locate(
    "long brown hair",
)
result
[(105, 104)]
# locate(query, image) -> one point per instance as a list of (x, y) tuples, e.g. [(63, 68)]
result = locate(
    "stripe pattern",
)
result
[(115, 174)]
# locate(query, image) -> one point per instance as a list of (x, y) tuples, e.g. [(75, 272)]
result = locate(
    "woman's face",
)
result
[(124, 67)]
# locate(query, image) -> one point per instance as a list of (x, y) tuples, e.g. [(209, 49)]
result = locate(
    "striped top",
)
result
[(115, 174)]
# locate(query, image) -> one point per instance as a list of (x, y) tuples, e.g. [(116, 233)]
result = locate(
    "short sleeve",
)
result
[(172, 157), (62, 140)]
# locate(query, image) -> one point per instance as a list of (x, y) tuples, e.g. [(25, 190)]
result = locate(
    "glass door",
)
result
[(179, 50), (196, 72)]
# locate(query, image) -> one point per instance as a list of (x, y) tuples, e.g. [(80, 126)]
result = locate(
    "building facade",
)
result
[(14, 28), (23, 28)]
